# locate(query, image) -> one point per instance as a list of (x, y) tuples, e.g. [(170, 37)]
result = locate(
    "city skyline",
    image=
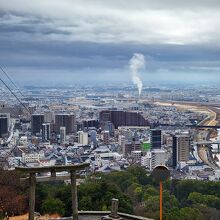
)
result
[(80, 41)]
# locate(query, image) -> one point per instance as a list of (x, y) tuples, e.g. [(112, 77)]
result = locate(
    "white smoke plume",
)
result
[(136, 63)]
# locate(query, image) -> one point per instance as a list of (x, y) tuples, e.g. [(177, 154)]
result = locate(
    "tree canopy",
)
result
[(137, 192)]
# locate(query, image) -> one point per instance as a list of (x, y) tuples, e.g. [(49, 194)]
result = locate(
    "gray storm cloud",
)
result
[(58, 37), (136, 63)]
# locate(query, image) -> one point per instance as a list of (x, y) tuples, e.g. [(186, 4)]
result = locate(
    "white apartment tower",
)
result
[(83, 138), (46, 131), (62, 135)]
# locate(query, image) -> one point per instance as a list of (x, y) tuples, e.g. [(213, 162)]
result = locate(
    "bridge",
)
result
[(205, 142), (208, 144), (204, 126), (190, 126)]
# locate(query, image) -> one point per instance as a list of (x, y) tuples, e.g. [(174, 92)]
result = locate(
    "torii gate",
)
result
[(52, 169)]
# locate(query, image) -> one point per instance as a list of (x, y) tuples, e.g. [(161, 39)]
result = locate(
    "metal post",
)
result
[(74, 195), (32, 182), (161, 200)]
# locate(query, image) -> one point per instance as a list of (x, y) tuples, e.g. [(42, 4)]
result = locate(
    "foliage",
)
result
[(207, 200), (188, 213), (53, 206), (137, 193), (13, 196)]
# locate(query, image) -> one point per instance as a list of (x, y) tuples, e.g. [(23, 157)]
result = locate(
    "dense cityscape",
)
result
[(117, 136), (113, 128)]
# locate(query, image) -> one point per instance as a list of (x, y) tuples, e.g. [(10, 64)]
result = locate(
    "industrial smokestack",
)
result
[(136, 63)]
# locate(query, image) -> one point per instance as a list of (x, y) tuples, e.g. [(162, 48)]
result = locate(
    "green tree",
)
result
[(141, 175), (152, 207), (149, 191), (53, 206), (188, 213), (137, 193), (85, 203), (208, 200)]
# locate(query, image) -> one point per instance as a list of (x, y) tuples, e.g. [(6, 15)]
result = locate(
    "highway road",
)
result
[(205, 155), (213, 119)]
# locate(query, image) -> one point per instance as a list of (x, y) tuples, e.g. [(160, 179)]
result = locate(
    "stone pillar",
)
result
[(74, 195), (32, 182), (114, 208)]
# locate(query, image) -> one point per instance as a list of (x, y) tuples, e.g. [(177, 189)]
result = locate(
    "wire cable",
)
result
[(15, 96), (9, 78)]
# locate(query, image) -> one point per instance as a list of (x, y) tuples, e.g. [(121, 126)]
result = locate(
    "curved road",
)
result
[(213, 118), (205, 155)]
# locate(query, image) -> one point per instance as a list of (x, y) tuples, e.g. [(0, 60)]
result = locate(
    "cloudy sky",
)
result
[(47, 41)]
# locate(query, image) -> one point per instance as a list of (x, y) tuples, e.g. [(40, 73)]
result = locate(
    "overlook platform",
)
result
[(97, 215)]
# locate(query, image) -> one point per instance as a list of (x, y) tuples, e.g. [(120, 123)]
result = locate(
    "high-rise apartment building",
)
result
[(49, 117), (127, 147), (93, 138), (65, 120), (122, 118), (83, 138), (36, 123), (62, 135), (181, 148), (155, 138), (3, 126), (92, 123), (105, 137), (46, 131)]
